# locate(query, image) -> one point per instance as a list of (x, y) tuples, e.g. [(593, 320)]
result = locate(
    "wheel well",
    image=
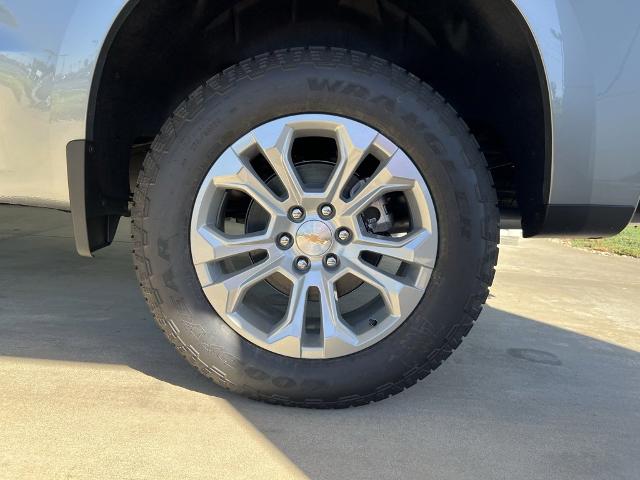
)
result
[(479, 54)]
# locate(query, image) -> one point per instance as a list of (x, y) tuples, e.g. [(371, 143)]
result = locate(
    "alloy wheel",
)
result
[(314, 257)]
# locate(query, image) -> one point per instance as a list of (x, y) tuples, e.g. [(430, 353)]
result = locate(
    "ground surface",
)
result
[(627, 243), (547, 385)]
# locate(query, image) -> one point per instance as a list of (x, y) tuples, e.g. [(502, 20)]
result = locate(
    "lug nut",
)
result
[(285, 241), (326, 211), (344, 235), (302, 264), (296, 213), (331, 261)]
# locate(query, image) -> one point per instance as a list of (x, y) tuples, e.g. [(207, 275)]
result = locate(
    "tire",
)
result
[(337, 82)]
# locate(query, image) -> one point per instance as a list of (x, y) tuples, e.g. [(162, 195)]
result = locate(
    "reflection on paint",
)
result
[(47, 59)]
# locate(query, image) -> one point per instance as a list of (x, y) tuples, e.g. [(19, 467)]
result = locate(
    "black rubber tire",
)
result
[(333, 81)]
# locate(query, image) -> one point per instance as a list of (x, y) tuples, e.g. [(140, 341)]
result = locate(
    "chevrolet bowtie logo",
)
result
[(314, 238)]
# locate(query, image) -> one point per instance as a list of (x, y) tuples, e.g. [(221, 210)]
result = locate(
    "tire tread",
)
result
[(321, 57)]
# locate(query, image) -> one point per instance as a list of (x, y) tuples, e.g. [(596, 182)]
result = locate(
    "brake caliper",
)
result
[(377, 217)]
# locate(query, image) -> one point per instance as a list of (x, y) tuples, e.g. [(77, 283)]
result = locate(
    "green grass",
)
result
[(626, 243)]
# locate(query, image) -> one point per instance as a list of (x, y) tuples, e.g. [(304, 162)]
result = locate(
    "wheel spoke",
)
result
[(275, 141), (287, 335), (419, 247), (395, 175), (231, 288), (232, 172), (354, 142), (395, 293), (209, 245), (337, 337)]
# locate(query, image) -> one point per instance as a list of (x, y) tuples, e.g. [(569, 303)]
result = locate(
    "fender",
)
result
[(95, 216), (591, 85)]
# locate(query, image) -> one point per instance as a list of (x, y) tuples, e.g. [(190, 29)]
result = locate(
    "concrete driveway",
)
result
[(547, 385)]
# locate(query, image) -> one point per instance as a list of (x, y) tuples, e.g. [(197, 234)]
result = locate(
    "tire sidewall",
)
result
[(387, 99)]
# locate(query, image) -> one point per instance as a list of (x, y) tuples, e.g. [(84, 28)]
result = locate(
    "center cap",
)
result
[(314, 238)]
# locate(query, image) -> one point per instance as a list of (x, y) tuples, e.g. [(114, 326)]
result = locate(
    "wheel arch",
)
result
[(482, 56)]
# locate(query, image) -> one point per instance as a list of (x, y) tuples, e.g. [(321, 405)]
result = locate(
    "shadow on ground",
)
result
[(520, 398)]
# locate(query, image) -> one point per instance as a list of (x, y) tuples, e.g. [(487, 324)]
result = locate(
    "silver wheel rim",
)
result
[(312, 317)]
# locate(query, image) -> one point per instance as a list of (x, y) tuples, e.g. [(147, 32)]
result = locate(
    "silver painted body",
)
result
[(590, 50)]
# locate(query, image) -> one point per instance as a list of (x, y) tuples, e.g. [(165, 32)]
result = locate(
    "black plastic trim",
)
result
[(95, 218), (531, 206), (510, 219), (100, 63), (589, 221)]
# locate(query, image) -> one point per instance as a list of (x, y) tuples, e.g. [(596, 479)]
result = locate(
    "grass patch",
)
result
[(626, 243)]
